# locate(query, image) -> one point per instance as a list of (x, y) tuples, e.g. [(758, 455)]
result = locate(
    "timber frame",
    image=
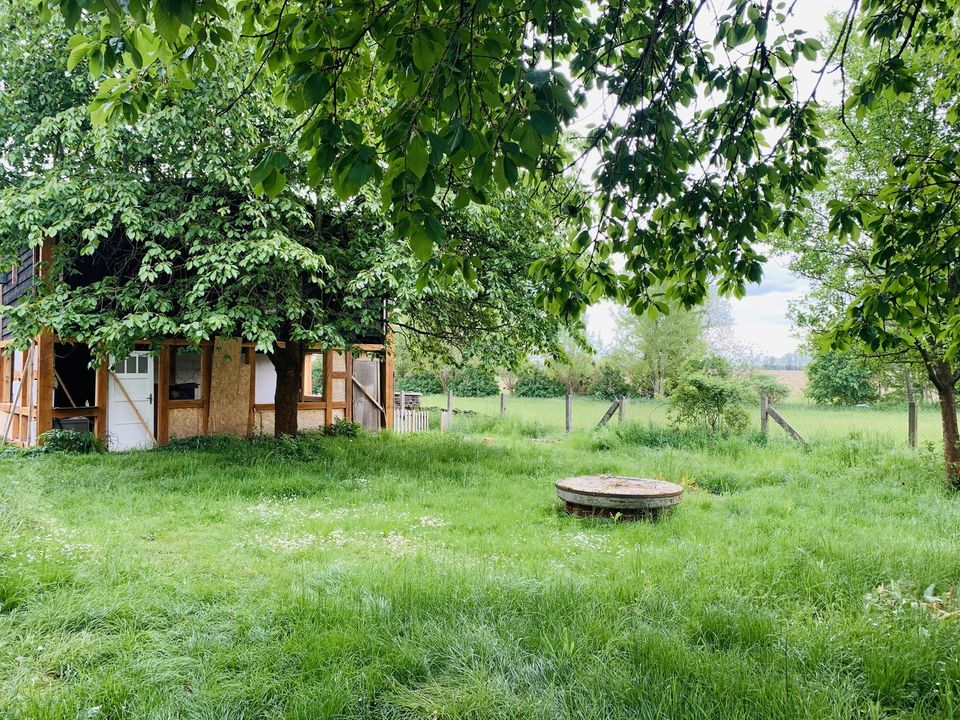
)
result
[(227, 398)]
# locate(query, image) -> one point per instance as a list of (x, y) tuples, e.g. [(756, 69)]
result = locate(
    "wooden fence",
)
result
[(405, 421)]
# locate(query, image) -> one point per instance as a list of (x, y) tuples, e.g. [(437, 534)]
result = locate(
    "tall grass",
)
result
[(431, 576)]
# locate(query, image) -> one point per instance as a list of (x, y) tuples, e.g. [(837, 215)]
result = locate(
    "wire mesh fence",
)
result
[(813, 422)]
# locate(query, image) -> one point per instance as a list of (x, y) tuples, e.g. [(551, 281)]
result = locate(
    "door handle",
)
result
[(150, 398)]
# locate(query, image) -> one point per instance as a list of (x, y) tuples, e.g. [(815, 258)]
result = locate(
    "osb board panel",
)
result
[(229, 390), (338, 414), (185, 422), (339, 361)]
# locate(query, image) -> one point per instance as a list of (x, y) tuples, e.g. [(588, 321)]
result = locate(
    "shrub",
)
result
[(709, 402), (763, 384), (609, 383), (70, 441), (535, 382), (474, 382), (839, 378), (420, 381), (343, 428)]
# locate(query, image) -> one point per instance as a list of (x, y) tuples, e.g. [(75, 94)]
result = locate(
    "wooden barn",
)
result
[(223, 387)]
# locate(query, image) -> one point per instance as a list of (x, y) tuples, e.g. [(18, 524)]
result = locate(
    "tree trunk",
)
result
[(951, 435), (941, 375), (288, 362)]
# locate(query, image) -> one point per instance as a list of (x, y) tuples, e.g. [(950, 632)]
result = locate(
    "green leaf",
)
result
[(76, 56), (417, 156), (168, 25), (543, 122), (316, 87), (426, 53), (421, 244)]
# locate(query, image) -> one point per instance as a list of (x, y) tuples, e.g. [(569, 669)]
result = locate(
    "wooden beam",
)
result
[(101, 390), (614, 406), (387, 379), (777, 418), (366, 392), (163, 394), (45, 377)]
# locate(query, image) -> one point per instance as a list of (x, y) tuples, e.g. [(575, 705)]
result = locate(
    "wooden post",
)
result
[(403, 408), (911, 412), (449, 408), (912, 423), (503, 405), (46, 371), (569, 412), (623, 409), (764, 414)]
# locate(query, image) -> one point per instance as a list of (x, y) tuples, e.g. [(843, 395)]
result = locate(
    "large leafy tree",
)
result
[(701, 153), (159, 233), (881, 243)]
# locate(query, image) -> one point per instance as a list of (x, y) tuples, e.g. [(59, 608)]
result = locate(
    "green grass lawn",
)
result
[(431, 576), (812, 421)]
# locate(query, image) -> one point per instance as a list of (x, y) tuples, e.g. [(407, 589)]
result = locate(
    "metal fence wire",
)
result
[(800, 420)]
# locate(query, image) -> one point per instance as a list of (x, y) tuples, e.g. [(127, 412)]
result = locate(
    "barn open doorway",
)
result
[(74, 385)]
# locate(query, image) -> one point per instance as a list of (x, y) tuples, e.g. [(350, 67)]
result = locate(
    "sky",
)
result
[(760, 318)]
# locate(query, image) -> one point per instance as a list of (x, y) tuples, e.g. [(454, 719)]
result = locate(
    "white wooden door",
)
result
[(130, 407)]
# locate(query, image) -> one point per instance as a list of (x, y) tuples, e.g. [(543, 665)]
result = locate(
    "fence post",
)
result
[(569, 412), (764, 414), (623, 409), (449, 407), (912, 423), (911, 411), (503, 405)]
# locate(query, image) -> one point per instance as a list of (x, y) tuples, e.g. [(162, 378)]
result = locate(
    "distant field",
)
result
[(812, 421), (796, 380)]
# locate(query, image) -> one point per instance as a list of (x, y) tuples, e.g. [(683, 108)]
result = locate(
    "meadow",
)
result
[(814, 422), (435, 576)]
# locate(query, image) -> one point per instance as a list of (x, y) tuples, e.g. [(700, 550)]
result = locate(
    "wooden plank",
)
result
[(252, 362), (360, 386), (614, 406), (777, 418)]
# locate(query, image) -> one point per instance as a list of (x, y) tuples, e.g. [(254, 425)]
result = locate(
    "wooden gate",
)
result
[(367, 394)]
